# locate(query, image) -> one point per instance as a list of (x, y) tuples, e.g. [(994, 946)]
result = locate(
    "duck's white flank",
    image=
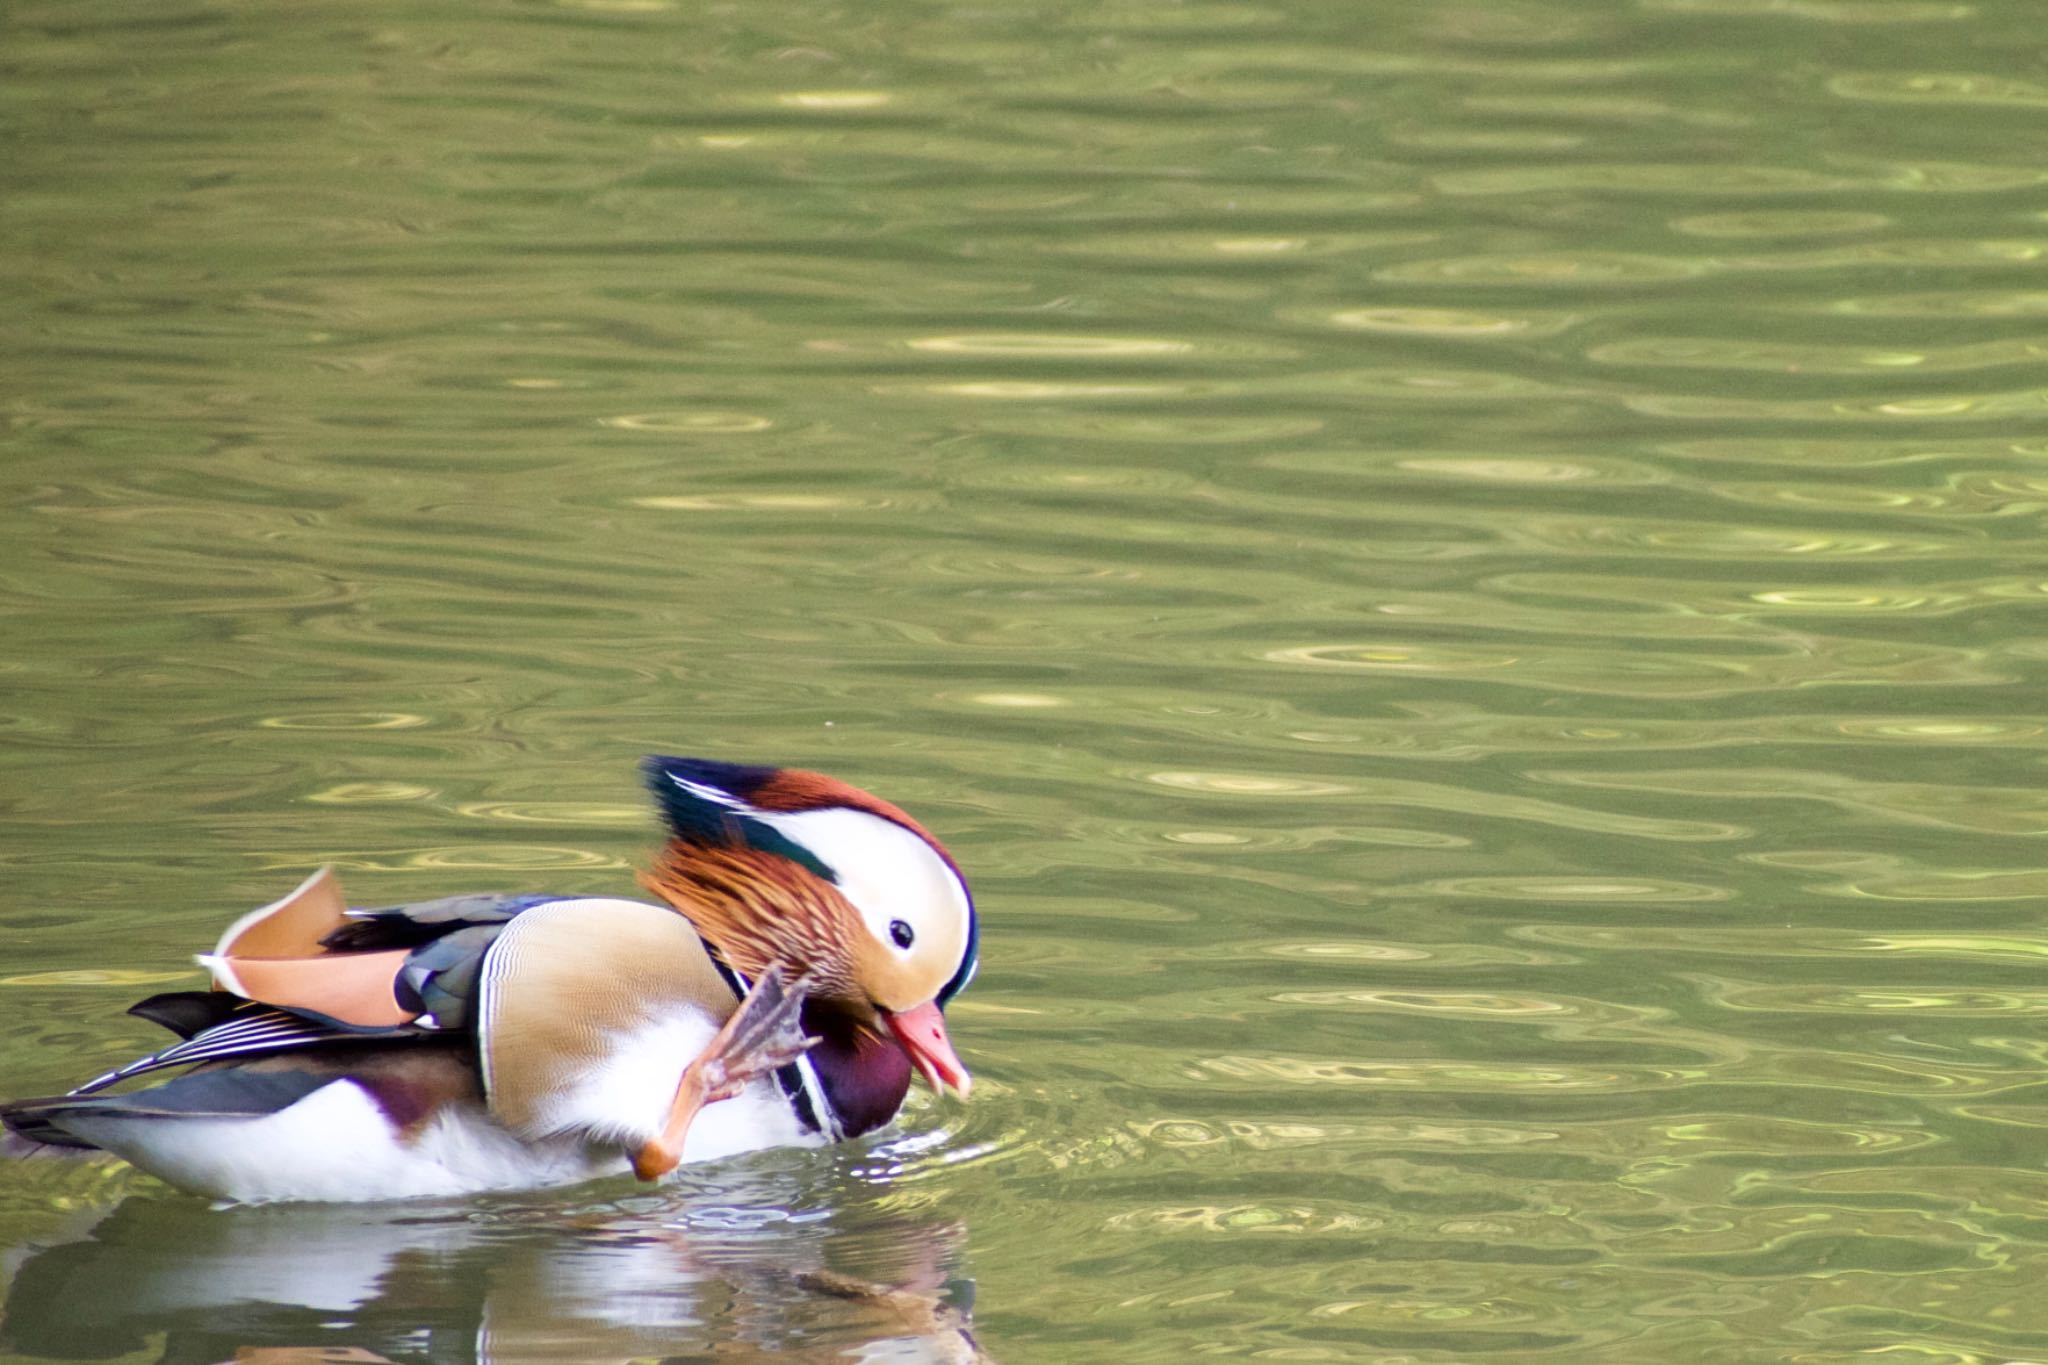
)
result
[(337, 1145)]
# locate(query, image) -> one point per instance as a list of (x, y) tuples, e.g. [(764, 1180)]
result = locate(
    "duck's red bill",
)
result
[(922, 1032)]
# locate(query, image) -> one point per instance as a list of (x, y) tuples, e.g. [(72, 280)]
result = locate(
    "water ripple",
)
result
[(1573, 890), (1680, 177), (1781, 223), (1959, 303), (1552, 270), (1449, 798), (1650, 673), (1900, 87), (1441, 1076), (1993, 405), (1458, 324), (1851, 12), (1793, 358), (1978, 808)]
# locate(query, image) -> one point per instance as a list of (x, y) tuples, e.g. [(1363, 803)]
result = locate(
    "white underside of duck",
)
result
[(339, 1145)]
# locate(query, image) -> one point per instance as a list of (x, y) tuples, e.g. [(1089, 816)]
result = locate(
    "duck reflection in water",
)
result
[(721, 1274)]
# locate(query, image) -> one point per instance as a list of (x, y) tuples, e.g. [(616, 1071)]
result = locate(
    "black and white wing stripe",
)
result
[(249, 1031)]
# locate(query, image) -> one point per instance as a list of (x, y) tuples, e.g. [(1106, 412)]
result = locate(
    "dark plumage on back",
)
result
[(188, 1012), (408, 926)]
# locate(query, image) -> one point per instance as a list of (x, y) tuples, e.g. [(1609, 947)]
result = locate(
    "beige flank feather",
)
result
[(563, 980)]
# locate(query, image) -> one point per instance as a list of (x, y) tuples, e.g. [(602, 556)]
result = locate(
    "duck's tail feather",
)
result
[(230, 1092)]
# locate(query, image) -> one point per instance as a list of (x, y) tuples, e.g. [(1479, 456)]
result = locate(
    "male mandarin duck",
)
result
[(809, 937)]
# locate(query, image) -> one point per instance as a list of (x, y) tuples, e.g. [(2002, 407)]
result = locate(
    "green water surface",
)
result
[(1464, 579)]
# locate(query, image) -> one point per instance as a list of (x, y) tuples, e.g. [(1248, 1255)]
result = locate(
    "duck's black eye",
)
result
[(901, 933)]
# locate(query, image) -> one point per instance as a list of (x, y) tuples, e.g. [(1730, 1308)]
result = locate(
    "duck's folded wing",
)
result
[(244, 1029), (407, 926)]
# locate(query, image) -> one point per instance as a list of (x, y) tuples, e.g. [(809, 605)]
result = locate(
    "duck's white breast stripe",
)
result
[(806, 1075), (814, 1091)]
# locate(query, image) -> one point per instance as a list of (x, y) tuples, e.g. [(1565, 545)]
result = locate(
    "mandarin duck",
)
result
[(791, 977)]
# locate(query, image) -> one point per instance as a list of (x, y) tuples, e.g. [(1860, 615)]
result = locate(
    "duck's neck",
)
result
[(864, 1077), (861, 1077)]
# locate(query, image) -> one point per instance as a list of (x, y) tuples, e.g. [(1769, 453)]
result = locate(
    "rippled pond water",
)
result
[(1463, 578)]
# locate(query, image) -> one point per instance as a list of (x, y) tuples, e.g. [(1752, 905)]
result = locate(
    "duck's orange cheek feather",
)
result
[(922, 1033)]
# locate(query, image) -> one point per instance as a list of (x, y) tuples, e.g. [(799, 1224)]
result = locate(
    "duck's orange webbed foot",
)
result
[(763, 1035)]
